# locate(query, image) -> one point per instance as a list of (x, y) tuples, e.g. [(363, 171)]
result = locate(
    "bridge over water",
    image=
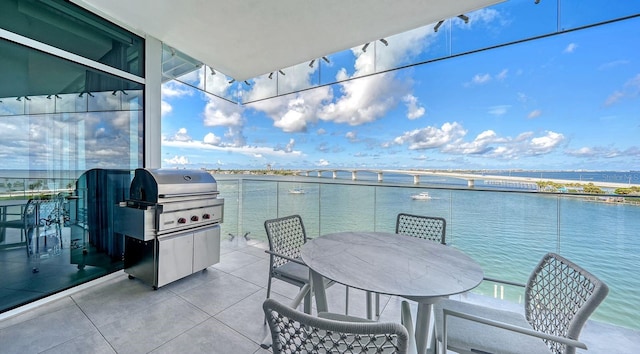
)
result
[(504, 181)]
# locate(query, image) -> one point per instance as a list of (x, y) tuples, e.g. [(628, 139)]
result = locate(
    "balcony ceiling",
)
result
[(249, 38)]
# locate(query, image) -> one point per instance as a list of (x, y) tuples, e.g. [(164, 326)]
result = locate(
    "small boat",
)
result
[(296, 191), (421, 196)]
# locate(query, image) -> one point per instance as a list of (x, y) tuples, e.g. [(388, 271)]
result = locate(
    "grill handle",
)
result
[(181, 195)]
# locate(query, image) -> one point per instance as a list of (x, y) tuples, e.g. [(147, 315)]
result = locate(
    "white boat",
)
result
[(421, 196), (296, 191)]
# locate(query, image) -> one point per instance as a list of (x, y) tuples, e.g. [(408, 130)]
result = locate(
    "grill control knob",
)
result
[(206, 216), (182, 221), (194, 218)]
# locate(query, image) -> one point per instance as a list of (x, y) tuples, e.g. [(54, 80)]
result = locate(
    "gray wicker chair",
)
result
[(427, 227), (559, 298), (286, 236), (295, 332)]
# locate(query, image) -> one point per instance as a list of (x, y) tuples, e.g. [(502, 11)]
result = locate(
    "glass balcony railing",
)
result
[(507, 232)]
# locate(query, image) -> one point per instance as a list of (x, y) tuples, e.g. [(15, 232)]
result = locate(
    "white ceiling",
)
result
[(248, 38)]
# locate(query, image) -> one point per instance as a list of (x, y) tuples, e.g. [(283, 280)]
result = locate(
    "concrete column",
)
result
[(470, 183), (152, 103), (416, 179), (379, 176), (335, 174), (354, 175), (319, 174)]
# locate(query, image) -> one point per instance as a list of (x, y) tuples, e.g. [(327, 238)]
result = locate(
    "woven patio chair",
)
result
[(559, 298), (427, 227), (295, 332), (286, 236)]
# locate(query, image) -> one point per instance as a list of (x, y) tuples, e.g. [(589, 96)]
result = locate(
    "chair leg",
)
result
[(268, 294), (346, 300)]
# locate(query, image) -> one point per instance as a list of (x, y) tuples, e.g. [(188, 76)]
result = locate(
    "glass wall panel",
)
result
[(296, 78), (507, 22), (66, 26), (341, 68), (59, 119), (579, 13), (415, 46)]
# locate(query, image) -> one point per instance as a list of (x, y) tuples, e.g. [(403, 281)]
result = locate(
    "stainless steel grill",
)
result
[(171, 224)]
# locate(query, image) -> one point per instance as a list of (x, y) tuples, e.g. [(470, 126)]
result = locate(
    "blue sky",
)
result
[(570, 101)]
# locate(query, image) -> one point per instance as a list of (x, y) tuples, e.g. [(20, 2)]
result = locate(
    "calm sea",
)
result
[(506, 232)]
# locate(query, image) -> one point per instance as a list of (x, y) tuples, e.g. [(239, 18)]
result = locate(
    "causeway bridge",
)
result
[(471, 178)]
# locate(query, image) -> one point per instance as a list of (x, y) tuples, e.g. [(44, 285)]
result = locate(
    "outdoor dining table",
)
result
[(391, 264)]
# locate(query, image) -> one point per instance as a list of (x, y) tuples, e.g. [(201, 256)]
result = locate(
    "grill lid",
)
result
[(150, 185)]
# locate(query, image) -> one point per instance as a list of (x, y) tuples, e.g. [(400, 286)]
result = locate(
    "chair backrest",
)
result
[(30, 213), (293, 331), (427, 227), (286, 236), (559, 298)]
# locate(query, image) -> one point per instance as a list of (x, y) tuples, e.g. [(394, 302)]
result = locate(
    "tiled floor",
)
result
[(215, 311)]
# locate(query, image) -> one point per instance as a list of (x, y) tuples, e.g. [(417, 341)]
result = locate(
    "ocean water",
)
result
[(506, 232)]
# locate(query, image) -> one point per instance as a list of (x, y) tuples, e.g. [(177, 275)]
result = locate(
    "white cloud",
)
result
[(352, 136), (175, 89), (220, 113), (240, 149), (165, 108), (414, 110), (322, 163), (449, 139), (534, 114), (570, 48), (499, 110), (364, 100), (479, 79), (181, 135), (431, 137), (177, 160), (212, 139), (321, 131), (502, 75), (630, 89)]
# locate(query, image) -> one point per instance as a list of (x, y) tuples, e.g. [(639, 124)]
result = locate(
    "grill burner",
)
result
[(173, 213)]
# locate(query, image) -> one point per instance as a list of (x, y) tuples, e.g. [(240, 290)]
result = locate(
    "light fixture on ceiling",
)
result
[(58, 97), (213, 72), (437, 26), (311, 63), (27, 98), (271, 75), (247, 83), (326, 59), (19, 98), (281, 72), (89, 93), (365, 46), (464, 18), (114, 92), (384, 41), (48, 97), (232, 81)]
